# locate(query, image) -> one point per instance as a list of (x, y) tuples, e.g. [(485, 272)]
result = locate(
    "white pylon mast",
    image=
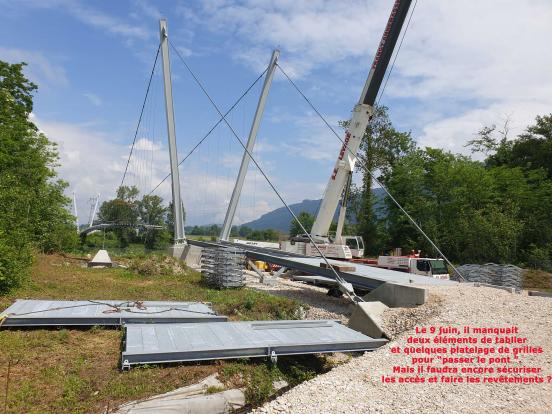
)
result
[(179, 237), (94, 211), (227, 225)]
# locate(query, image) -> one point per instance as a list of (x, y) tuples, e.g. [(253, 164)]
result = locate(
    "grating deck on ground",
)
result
[(104, 312), (165, 343)]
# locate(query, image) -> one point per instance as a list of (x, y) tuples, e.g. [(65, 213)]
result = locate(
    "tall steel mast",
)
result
[(179, 237), (362, 113)]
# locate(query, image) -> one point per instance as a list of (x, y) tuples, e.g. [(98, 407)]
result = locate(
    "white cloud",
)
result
[(93, 162), (148, 9), (40, 69), (309, 33), (453, 132), (93, 98), (145, 144), (462, 63), (84, 13)]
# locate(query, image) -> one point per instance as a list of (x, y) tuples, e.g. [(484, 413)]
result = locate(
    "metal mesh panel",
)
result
[(491, 273), (223, 267)]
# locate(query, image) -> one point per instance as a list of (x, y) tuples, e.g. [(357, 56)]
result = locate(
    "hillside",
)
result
[(280, 219)]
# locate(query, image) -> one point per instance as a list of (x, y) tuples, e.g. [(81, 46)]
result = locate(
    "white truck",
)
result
[(424, 266), (339, 246), (267, 245)]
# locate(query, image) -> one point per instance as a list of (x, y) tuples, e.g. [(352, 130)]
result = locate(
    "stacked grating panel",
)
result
[(493, 274), (166, 343), (223, 267), (104, 312)]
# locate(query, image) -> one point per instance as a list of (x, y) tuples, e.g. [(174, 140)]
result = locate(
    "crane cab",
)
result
[(355, 244)]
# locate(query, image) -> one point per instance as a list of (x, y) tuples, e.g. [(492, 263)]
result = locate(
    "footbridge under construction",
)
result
[(363, 277)]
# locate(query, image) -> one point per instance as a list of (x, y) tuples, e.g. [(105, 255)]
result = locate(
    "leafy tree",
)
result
[(124, 210), (33, 206), (306, 219), (271, 235), (531, 150), (244, 231), (459, 203), (382, 145), (152, 211)]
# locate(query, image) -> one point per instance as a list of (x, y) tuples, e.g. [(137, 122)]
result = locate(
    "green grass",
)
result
[(257, 378), (534, 279), (77, 371)]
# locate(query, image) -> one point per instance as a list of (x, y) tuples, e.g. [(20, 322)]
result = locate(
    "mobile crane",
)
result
[(340, 246)]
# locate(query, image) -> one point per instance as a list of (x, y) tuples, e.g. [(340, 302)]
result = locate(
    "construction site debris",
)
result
[(193, 399)]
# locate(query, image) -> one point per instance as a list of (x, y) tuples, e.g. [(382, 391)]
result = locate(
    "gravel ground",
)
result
[(320, 306), (355, 387)]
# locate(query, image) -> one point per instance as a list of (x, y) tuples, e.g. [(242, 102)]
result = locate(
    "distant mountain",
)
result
[(280, 218)]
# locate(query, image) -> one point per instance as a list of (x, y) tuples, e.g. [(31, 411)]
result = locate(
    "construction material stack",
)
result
[(223, 267)]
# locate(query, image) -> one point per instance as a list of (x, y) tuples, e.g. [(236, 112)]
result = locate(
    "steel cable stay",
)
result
[(215, 125), (141, 113), (372, 175), (345, 287), (118, 307)]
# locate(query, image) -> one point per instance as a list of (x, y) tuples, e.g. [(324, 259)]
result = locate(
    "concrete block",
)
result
[(191, 255), (101, 259), (396, 295), (367, 318), (269, 280)]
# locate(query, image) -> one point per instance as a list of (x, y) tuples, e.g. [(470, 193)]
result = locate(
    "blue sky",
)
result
[(464, 64)]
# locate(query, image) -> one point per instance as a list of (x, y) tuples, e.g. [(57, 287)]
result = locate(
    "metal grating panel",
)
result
[(204, 341), (104, 312)]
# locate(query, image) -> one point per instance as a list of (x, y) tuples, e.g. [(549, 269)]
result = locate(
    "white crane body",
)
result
[(347, 247)]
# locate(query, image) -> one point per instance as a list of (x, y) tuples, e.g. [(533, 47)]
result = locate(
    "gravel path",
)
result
[(355, 387), (320, 306)]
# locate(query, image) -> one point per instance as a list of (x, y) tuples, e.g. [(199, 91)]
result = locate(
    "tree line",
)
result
[(244, 232), (497, 209), (34, 210)]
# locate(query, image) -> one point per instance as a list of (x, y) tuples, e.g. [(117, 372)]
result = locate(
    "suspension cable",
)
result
[(141, 113), (213, 128), (372, 175), (352, 296)]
